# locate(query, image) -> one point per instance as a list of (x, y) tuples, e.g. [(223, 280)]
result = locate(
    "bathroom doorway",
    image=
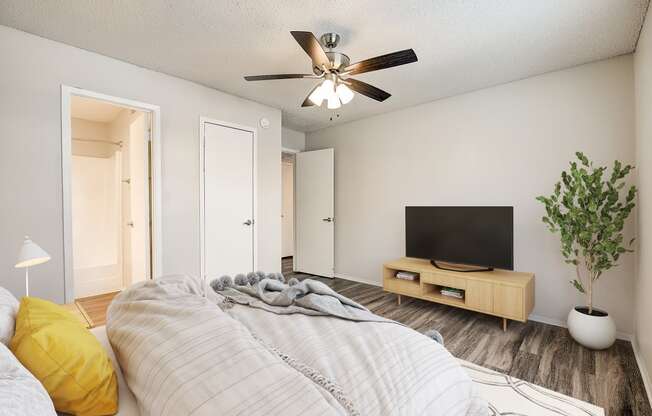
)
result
[(110, 240)]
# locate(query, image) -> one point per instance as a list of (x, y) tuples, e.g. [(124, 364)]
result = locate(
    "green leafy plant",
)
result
[(588, 211)]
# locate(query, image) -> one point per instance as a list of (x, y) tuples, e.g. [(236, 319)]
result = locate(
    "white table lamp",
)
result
[(30, 255)]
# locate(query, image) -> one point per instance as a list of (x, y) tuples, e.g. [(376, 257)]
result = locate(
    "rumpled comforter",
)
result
[(308, 297), (181, 354)]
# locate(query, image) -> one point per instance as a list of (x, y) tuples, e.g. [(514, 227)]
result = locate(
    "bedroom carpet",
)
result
[(534, 352)]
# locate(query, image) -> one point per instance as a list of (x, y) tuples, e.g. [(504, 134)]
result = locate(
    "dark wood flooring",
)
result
[(95, 307), (287, 263), (539, 353)]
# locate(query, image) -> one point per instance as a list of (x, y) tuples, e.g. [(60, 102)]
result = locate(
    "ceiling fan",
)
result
[(335, 69)]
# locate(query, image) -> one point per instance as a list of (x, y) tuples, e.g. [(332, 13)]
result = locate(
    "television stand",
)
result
[(502, 293), (461, 268)]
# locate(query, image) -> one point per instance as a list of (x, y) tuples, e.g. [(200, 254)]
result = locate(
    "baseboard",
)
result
[(357, 279), (645, 375), (556, 322)]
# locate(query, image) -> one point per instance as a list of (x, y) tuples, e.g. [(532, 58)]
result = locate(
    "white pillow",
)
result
[(21, 394), (8, 311)]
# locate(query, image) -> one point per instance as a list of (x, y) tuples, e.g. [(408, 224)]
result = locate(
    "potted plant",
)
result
[(589, 212)]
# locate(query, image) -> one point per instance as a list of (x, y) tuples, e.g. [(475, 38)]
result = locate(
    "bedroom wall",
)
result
[(292, 139), (643, 88), (31, 75), (498, 146)]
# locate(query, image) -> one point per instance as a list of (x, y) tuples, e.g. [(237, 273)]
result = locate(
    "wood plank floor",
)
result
[(287, 264), (539, 353), (95, 307)]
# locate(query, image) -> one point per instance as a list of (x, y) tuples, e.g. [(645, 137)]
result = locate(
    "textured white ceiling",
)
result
[(461, 45), (93, 110)]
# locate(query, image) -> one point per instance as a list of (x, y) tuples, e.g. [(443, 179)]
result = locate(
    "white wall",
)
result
[(90, 130), (96, 198), (499, 146), (95, 187), (643, 88), (31, 75), (292, 139)]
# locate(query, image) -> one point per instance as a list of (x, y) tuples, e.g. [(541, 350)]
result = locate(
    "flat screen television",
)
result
[(477, 236)]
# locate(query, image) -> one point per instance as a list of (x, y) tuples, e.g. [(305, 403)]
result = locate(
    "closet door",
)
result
[(315, 212), (228, 210)]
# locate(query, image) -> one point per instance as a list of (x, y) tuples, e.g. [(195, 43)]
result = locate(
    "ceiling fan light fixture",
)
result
[(334, 102), (332, 64), (328, 87), (317, 96), (344, 93)]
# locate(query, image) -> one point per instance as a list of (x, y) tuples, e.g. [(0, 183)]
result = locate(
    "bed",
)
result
[(185, 350)]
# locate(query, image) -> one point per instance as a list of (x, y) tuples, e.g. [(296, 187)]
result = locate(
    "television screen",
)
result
[(478, 236)]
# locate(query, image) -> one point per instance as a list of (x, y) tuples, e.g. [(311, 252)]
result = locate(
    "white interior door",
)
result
[(228, 200), (315, 212), (287, 209), (138, 221)]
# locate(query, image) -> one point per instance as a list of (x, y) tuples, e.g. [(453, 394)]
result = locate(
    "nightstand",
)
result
[(77, 310)]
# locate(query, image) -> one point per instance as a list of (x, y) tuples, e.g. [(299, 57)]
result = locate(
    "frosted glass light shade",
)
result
[(31, 254), (328, 88), (345, 93), (334, 102), (317, 96)]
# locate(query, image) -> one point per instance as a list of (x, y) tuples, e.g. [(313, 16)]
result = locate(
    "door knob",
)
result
[(248, 222), (329, 219)]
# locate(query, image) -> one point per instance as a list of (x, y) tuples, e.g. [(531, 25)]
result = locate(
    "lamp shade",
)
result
[(31, 254)]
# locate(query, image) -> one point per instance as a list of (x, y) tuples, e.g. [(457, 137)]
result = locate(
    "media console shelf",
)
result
[(502, 293)]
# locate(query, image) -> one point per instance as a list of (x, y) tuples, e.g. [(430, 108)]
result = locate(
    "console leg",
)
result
[(399, 299), (504, 324)]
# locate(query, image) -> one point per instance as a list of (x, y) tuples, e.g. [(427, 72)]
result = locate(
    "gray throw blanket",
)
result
[(308, 297)]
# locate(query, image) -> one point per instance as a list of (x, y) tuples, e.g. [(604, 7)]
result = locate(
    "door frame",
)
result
[(156, 204), (294, 201), (202, 169)]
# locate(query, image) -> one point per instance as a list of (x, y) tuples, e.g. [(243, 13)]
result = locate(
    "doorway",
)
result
[(110, 180), (287, 211), (227, 198)]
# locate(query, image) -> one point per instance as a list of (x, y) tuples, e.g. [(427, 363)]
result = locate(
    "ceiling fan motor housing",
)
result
[(338, 60)]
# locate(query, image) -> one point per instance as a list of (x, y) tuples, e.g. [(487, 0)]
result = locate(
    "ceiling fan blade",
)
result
[(279, 76), (313, 48), (368, 90), (406, 56), (307, 102)]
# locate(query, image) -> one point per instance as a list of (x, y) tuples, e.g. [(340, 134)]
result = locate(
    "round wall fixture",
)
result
[(264, 123)]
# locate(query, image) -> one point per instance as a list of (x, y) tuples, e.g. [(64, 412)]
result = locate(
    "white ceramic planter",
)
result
[(593, 331)]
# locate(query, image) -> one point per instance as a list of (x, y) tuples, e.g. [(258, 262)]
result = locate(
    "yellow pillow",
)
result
[(66, 358)]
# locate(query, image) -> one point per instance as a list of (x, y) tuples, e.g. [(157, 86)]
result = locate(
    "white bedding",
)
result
[(388, 369), (181, 355), (21, 394), (127, 404)]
